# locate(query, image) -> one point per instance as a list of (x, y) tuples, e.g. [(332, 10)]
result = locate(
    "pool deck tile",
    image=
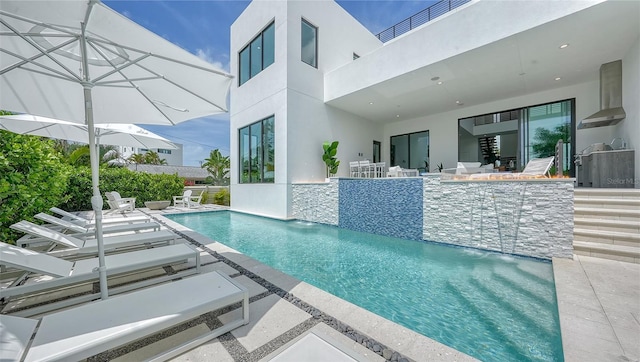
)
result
[(599, 306), (270, 317)]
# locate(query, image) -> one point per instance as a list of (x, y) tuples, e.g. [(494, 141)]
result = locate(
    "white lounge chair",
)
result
[(84, 232), (63, 273), (120, 204), (535, 168), (81, 332), (187, 199), (89, 223), (89, 246)]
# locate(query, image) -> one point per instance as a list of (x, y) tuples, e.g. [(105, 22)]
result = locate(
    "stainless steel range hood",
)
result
[(611, 111)]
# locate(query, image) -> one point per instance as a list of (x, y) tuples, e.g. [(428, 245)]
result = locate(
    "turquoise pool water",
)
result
[(490, 306)]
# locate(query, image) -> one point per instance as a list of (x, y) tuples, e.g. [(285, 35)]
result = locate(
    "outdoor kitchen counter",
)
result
[(608, 169)]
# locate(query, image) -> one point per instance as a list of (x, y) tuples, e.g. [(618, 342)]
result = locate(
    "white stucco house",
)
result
[(486, 72)]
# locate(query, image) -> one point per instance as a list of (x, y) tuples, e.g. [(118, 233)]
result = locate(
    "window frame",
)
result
[(315, 54), (250, 59), (262, 150)]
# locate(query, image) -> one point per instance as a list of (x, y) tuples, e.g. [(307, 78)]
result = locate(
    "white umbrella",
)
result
[(80, 60), (116, 134)]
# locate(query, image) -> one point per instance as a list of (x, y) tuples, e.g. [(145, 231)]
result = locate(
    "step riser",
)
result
[(617, 229), (608, 206), (631, 194), (607, 217), (611, 241), (595, 254)]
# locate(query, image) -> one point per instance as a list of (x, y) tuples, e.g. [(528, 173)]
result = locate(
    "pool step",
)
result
[(461, 291), (607, 223), (483, 295), (536, 288)]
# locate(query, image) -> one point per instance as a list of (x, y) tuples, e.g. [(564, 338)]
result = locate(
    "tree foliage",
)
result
[(545, 140), (142, 186), (218, 166), (32, 179)]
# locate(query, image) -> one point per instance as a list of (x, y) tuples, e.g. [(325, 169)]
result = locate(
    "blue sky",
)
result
[(202, 28)]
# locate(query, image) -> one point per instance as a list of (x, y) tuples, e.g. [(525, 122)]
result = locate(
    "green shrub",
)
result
[(142, 186), (222, 197), (32, 179)]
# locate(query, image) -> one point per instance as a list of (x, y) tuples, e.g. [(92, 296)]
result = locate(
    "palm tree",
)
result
[(218, 166), (153, 158)]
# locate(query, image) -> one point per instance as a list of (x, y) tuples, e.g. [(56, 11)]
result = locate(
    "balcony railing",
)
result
[(420, 18)]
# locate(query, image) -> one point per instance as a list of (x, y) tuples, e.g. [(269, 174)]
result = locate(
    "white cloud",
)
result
[(208, 56)]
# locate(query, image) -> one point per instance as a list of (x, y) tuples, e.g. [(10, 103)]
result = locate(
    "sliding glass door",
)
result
[(411, 151), (510, 139)]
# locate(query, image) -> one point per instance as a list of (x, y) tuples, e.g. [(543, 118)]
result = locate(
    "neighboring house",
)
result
[(193, 175), (474, 84), (173, 157)]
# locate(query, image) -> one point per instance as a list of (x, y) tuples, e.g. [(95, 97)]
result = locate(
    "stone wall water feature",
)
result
[(523, 217)]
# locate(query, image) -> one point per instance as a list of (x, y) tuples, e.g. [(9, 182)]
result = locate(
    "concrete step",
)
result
[(629, 226), (607, 237), (607, 202), (629, 254), (606, 213), (606, 193)]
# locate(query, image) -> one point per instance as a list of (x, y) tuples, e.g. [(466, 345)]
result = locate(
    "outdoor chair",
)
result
[(354, 169), (83, 231), (44, 272), (187, 199), (120, 204), (84, 331), (91, 222), (366, 169), (535, 168), (89, 246)]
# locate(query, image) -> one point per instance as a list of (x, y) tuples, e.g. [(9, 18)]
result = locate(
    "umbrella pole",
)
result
[(96, 199)]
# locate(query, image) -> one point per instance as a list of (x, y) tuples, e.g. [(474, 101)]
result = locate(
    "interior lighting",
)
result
[(397, 116), (370, 102), (563, 46), (558, 78), (440, 82)]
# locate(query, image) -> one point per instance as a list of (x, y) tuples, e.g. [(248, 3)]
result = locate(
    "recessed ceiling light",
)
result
[(370, 102), (440, 82), (397, 116), (563, 46), (458, 102), (558, 78), (435, 78)]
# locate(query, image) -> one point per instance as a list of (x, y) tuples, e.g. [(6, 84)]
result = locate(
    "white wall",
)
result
[(629, 128), (293, 92), (443, 127)]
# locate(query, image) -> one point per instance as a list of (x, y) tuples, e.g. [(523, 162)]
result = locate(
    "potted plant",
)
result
[(329, 157)]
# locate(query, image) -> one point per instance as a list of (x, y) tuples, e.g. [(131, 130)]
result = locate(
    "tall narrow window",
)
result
[(309, 44), (257, 152), (259, 54)]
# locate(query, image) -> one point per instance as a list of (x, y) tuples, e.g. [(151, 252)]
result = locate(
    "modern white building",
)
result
[(173, 157), (485, 81)]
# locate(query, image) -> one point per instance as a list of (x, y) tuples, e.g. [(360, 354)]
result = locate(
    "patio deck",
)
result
[(598, 300)]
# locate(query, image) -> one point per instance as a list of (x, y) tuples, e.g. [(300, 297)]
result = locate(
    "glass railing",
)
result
[(420, 18)]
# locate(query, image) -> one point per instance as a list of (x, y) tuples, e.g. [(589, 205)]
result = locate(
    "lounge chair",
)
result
[(84, 232), (535, 168), (187, 199), (81, 332), (87, 222), (89, 246), (67, 273), (120, 204)]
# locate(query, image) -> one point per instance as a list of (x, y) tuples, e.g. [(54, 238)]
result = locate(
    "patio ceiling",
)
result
[(521, 64)]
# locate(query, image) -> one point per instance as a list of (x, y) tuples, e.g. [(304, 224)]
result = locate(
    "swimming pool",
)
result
[(487, 305)]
